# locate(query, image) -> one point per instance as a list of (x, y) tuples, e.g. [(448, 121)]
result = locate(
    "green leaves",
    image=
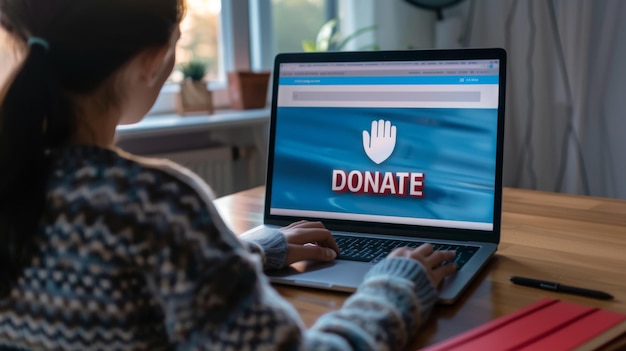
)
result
[(329, 39), (194, 69), (360, 31), (308, 46)]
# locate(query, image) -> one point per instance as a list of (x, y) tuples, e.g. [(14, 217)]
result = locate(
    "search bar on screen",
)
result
[(394, 96)]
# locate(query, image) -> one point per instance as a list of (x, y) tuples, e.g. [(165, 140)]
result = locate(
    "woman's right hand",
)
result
[(431, 260)]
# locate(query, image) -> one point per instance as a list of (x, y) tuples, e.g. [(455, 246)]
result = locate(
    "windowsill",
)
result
[(155, 125)]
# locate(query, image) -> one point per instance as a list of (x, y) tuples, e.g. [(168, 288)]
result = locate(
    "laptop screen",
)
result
[(410, 142)]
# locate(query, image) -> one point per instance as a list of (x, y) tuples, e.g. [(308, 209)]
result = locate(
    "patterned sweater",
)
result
[(134, 256)]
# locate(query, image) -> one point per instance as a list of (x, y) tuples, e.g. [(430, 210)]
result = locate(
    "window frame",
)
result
[(234, 41), (247, 42)]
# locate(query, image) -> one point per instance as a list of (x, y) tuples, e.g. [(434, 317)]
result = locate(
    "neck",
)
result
[(96, 127), (89, 136)]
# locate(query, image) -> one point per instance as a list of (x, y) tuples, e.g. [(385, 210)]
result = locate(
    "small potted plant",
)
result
[(329, 39), (194, 97), (247, 89)]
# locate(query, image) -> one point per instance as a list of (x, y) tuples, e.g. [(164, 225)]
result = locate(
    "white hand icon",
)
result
[(382, 142)]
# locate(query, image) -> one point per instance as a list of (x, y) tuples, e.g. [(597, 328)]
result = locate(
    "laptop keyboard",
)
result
[(375, 249)]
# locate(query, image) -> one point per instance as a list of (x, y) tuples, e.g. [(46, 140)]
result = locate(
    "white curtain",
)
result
[(563, 127)]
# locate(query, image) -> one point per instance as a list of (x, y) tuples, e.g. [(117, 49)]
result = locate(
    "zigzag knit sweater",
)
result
[(134, 256)]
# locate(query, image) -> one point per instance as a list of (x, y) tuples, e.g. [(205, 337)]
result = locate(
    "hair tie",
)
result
[(39, 41)]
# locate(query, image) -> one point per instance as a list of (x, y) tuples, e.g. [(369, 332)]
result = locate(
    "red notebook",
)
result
[(548, 324)]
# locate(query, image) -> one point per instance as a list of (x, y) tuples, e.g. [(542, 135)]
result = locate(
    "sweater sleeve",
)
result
[(393, 302), (214, 295), (270, 245)]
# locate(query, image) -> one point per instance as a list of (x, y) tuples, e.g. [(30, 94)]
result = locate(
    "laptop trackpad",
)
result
[(337, 275)]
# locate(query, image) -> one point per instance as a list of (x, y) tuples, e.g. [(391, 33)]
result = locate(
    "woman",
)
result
[(100, 249)]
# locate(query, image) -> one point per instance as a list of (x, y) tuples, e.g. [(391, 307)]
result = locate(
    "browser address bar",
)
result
[(394, 96)]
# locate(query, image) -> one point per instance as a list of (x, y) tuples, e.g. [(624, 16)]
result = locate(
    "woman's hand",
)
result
[(309, 241), (431, 260)]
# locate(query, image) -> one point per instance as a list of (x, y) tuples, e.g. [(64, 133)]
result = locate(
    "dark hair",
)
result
[(88, 41)]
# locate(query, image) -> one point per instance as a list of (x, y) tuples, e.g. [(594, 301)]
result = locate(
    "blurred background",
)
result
[(565, 88)]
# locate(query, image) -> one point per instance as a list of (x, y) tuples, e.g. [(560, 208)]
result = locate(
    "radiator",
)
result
[(215, 165), (226, 169)]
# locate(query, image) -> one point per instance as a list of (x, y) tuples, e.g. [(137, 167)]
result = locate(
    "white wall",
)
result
[(399, 25)]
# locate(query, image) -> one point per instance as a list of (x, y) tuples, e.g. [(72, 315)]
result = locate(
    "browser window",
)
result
[(395, 142)]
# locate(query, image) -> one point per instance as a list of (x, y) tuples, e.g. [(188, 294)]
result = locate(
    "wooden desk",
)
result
[(574, 240)]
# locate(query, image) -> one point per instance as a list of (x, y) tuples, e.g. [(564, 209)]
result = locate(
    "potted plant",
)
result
[(329, 39), (194, 96), (248, 90)]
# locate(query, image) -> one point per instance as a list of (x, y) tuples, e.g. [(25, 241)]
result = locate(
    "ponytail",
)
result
[(38, 109), (23, 112)]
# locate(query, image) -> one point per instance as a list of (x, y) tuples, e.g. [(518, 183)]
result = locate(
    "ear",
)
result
[(153, 64)]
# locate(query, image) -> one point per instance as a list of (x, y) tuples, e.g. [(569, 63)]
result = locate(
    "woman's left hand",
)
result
[(309, 241)]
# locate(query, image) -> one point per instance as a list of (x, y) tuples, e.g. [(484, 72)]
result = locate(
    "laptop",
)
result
[(388, 149)]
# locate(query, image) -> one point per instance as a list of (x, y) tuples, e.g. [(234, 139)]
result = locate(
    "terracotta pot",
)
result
[(194, 97), (248, 90)]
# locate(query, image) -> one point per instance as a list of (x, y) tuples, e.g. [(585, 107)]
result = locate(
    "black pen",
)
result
[(542, 284)]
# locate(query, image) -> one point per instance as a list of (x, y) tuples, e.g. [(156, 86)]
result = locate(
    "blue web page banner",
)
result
[(455, 149), (386, 80)]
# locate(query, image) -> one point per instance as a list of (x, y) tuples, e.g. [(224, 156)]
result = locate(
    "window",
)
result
[(226, 34), (204, 37), (242, 35), (281, 26), (7, 57), (222, 32), (200, 37), (297, 20)]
